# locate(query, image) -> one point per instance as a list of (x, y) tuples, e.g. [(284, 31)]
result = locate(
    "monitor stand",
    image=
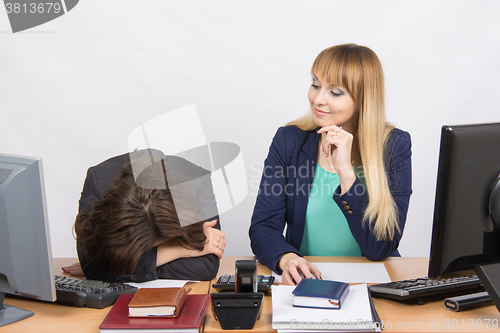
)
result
[(10, 314), (489, 274)]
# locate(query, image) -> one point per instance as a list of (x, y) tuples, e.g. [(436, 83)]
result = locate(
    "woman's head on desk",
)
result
[(131, 220)]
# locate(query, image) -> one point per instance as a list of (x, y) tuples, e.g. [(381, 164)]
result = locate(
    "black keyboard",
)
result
[(227, 283), (90, 293), (421, 287)]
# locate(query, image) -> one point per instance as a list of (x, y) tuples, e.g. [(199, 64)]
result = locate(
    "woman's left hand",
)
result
[(336, 145), (74, 269)]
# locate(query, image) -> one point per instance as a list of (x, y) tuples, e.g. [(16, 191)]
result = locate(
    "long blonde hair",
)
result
[(358, 69)]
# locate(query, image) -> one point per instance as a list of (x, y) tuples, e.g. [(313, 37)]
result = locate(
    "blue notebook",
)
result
[(324, 294)]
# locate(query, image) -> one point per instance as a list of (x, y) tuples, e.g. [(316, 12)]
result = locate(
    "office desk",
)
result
[(396, 316), (431, 317), (55, 318)]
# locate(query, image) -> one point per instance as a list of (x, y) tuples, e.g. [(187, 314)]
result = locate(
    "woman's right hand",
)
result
[(215, 243), (292, 265), (215, 239)]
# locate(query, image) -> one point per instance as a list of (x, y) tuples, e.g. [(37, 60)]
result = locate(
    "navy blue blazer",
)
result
[(284, 192)]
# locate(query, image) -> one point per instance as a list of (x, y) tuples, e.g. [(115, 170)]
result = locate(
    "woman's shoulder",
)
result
[(398, 136), (399, 133), (111, 165), (398, 144), (292, 132), (292, 139)]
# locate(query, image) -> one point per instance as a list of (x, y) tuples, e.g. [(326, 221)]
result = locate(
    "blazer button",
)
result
[(347, 207), (149, 275), (349, 212), (133, 277), (344, 203)]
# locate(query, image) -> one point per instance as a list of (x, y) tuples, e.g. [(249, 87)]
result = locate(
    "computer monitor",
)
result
[(467, 201), (25, 253)]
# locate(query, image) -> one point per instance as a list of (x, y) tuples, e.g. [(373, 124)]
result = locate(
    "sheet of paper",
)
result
[(160, 283), (350, 272), (354, 314)]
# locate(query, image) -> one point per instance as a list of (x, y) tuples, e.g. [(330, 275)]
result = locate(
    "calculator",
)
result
[(227, 283)]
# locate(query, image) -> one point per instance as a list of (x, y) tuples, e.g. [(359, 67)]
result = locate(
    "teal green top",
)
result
[(326, 232)]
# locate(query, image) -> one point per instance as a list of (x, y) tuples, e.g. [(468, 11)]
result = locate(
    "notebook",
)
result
[(150, 302), (357, 313), (189, 320)]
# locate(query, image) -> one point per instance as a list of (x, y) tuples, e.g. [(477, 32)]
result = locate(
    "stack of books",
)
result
[(176, 313), (354, 313)]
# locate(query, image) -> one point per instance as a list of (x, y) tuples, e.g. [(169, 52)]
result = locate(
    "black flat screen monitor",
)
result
[(25, 253), (466, 226)]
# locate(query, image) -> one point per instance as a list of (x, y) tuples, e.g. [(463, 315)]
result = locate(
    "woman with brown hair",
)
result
[(128, 227), (339, 178)]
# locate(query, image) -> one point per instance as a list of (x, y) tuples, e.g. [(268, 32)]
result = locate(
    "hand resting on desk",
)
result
[(74, 269), (293, 265)]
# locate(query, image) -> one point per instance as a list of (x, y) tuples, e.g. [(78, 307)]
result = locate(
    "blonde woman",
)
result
[(339, 178)]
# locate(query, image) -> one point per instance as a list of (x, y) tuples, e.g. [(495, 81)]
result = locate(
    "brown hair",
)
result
[(131, 220)]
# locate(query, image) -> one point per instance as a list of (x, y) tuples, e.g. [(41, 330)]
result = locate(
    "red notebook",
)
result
[(190, 317)]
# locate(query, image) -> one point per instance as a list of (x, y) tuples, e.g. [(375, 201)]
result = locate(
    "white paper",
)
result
[(355, 313), (350, 272), (354, 272), (160, 283)]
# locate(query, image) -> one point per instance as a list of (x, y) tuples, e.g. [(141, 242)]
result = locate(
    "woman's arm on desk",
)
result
[(214, 244), (172, 261)]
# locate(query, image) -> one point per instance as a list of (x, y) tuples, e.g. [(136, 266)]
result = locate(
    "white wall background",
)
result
[(73, 89)]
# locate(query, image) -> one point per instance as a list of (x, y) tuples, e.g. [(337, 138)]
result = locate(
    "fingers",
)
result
[(301, 272), (331, 128), (217, 249), (215, 239), (316, 272), (287, 279), (336, 143), (210, 224), (215, 242), (291, 276), (304, 270), (212, 233), (334, 137), (220, 247), (288, 263), (296, 268), (74, 269)]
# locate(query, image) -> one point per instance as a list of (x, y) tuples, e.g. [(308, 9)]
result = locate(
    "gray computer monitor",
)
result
[(25, 252)]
